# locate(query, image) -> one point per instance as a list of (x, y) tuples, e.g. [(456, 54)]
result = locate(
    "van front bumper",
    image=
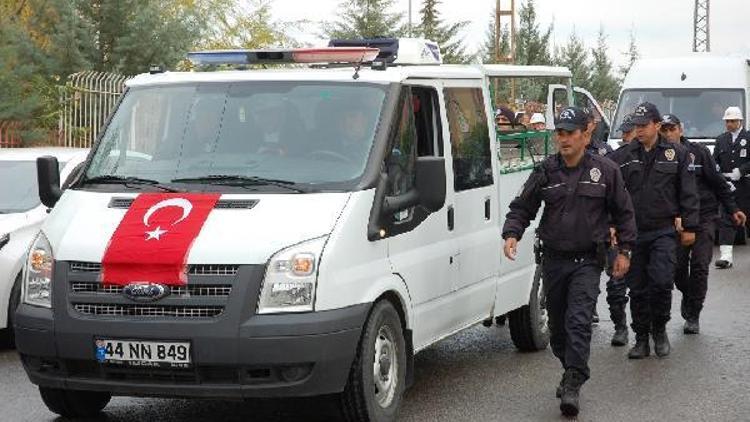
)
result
[(285, 355)]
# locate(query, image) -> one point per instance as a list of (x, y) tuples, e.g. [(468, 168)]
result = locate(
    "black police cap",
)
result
[(572, 118), (627, 124), (646, 113), (670, 120)]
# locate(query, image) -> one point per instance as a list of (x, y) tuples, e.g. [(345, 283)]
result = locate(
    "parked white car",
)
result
[(21, 215)]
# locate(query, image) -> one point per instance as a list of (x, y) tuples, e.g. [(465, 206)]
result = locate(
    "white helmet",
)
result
[(733, 113), (537, 118)]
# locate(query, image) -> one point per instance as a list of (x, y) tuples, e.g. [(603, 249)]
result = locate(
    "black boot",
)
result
[(692, 326), (661, 342), (641, 349), (571, 388), (619, 318)]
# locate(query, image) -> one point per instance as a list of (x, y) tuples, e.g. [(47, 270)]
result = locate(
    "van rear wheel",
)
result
[(528, 324), (377, 378), (73, 403)]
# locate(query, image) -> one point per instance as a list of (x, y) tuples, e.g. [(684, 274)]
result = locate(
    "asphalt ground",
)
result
[(478, 375)]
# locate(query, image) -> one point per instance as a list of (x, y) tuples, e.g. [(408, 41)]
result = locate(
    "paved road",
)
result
[(478, 376)]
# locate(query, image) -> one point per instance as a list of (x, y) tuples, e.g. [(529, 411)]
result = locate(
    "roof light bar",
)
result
[(284, 56)]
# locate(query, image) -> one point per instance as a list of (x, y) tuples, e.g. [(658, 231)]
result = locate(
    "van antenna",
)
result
[(358, 67)]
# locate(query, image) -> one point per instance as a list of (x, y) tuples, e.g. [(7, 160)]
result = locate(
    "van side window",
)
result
[(401, 158), (470, 142)]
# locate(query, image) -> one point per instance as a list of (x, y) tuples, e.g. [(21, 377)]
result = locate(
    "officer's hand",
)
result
[(687, 238), (735, 175), (678, 225), (612, 237), (510, 248), (621, 266), (740, 218)]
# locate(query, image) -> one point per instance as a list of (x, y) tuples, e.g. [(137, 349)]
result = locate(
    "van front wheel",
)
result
[(74, 404), (528, 324), (378, 375)]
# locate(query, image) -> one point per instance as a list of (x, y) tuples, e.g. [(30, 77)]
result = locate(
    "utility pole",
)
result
[(501, 13), (411, 34), (702, 26)]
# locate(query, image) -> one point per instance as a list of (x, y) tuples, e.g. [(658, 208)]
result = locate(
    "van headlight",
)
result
[(37, 274), (291, 277)]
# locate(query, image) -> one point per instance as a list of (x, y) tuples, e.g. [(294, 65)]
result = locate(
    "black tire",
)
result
[(360, 401), (74, 404), (7, 338), (528, 324)]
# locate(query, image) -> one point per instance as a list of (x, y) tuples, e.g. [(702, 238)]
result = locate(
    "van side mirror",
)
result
[(429, 189), (431, 182), (48, 175)]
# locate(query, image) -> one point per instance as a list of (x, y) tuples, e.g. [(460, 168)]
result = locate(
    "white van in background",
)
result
[(697, 88), (21, 215)]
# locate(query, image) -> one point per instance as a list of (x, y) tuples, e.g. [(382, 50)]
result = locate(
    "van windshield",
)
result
[(315, 134), (700, 110)]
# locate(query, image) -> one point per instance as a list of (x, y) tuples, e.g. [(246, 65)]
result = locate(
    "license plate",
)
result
[(143, 353)]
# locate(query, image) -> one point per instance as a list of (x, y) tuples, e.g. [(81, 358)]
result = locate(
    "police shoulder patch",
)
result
[(602, 151), (670, 154), (595, 174)]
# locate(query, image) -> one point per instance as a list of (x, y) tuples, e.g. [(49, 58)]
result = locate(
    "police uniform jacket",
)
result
[(598, 148), (735, 155), (661, 183), (578, 205), (713, 188)]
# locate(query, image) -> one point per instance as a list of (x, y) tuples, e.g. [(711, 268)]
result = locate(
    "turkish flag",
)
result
[(152, 242)]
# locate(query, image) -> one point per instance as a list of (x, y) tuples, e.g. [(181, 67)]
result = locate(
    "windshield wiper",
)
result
[(130, 181), (243, 181)]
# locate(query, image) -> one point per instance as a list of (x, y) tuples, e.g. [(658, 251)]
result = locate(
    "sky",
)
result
[(662, 27)]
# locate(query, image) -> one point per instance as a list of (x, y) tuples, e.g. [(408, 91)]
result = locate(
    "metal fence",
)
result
[(86, 101), (10, 134)]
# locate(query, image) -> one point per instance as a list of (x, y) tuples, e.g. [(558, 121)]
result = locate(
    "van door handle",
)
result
[(487, 209), (451, 218)]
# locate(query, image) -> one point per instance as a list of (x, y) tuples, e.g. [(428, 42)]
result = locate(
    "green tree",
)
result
[(366, 19), (604, 85), (250, 25), (575, 57), (532, 43), (447, 35), (631, 55)]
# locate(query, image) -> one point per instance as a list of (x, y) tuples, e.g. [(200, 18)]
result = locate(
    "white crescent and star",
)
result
[(157, 233)]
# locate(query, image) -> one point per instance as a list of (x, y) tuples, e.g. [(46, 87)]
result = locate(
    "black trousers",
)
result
[(651, 279), (691, 274), (571, 287), (727, 229)]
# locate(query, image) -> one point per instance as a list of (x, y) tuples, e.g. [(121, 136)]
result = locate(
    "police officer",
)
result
[(627, 128), (577, 189), (661, 183), (594, 145), (732, 154), (691, 275)]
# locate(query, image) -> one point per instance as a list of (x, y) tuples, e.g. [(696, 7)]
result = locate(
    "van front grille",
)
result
[(209, 270), (206, 290), (148, 310)]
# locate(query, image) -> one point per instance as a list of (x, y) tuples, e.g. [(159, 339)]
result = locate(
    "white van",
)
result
[(21, 216), (697, 88), (358, 222)]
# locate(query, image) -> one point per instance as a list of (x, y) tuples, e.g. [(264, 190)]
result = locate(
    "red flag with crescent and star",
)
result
[(152, 242)]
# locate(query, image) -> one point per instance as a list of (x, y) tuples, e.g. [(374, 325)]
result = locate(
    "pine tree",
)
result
[(575, 57), (366, 19), (632, 56), (447, 36), (603, 85)]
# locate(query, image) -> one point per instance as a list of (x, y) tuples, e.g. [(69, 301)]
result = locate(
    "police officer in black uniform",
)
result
[(691, 275), (579, 190), (661, 182), (595, 144), (627, 128), (732, 154)]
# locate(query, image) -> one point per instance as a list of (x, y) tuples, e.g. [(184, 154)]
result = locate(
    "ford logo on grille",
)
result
[(145, 292)]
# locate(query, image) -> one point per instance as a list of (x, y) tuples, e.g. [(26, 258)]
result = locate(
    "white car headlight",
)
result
[(291, 277), (37, 274)]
